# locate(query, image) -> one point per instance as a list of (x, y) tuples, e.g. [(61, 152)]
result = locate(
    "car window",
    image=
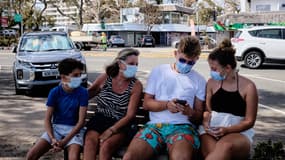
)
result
[(283, 32), (36, 43), (237, 34), (115, 37), (253, 33), (270, 33)]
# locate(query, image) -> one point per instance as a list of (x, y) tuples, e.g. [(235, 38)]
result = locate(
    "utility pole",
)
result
[(197, 18)]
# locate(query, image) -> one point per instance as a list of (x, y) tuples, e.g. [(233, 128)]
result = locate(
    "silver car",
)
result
[(116, 40), (37, 58)]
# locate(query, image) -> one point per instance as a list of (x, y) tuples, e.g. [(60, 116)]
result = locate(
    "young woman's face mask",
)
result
[(217, 76), (216, 71)]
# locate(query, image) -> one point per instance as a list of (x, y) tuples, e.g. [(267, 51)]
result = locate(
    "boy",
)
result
[(66, 108)]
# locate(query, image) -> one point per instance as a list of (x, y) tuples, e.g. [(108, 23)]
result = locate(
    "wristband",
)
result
[(166, 107)]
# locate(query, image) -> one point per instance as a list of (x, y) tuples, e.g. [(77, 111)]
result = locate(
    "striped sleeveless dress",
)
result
[(111, 104)]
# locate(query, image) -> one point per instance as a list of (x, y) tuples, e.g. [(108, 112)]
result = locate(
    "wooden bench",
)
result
[(142, 116), (140, 119)]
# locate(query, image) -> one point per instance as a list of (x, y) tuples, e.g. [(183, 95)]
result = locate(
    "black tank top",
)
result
[(228, 102)]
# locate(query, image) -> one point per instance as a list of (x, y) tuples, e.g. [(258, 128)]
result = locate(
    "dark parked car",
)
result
[(116, 40), (146, 40)]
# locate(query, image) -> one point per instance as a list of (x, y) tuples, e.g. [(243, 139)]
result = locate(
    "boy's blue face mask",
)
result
[(183, 66), (74, 82), (217, 76), (130, 71)]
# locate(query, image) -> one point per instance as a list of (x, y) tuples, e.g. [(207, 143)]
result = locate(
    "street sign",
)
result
[(18, 18)]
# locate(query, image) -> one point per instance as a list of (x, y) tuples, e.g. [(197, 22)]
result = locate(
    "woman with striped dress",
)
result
[(117, 94)]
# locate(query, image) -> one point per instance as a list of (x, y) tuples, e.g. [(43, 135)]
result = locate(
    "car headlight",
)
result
[(25, 64), (20, 74)]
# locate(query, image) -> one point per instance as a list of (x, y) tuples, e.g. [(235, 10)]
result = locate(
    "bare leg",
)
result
[(108, 147), (231, 146), (181, 150), (91, 145), (138, 150), (74, 152), (40, 148), (208, 144)]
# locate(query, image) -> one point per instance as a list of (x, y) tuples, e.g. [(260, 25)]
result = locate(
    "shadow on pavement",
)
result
[(278, 99), (268, 66)]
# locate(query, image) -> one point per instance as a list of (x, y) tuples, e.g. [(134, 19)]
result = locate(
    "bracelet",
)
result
[(166, 107)]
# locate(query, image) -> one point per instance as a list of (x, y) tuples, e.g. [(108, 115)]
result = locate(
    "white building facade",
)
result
[(61, 20), (262, 5), (175, 24)]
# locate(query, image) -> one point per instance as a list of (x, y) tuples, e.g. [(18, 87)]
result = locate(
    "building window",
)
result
[(263, 7), (166, 18), (175, 18)]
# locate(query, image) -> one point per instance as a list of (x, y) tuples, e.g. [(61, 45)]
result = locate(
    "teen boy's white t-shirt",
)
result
[(166, 84)]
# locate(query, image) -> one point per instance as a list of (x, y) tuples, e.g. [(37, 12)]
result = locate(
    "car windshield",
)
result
[(36, 43), (116, 37)]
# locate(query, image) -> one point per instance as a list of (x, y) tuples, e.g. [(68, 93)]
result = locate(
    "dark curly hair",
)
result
[(224, 54), (67, 65)]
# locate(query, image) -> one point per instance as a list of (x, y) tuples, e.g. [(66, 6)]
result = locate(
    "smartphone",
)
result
[(182, 102)]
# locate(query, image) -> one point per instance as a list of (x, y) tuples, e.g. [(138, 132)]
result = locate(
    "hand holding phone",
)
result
[(182, 102), (181, 106)]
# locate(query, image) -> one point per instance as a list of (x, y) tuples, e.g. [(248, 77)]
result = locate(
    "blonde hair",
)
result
[(189, 46), (113, 68)]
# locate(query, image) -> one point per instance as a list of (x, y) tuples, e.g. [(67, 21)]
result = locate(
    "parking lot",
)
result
[(22, 116)]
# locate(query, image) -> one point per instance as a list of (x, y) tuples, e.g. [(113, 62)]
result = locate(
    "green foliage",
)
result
[(269, 151), (152, 14)]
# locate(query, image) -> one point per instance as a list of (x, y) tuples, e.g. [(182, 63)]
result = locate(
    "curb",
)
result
[(6, 48)]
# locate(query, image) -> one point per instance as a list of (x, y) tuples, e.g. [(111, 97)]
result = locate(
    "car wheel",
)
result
[(253, 59)]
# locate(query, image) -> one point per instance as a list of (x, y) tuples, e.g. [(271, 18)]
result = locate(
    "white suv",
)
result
[(259, 45)]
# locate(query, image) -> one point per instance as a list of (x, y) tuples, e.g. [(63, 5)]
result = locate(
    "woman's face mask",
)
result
[(130, 70), (217, 76)]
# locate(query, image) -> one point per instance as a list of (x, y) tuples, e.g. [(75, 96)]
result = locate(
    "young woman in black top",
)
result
[(231, 108)]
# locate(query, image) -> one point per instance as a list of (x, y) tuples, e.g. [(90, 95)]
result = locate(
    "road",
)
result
[(22, 116)]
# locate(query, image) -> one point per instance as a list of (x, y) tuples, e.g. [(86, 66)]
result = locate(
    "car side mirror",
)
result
[(78, 46), (14, 49)]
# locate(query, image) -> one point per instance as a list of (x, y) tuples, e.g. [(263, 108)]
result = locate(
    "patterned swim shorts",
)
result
[(161, 134)]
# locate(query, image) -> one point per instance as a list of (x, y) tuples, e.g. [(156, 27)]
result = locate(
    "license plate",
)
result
[(50, 73), (148, 43)]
